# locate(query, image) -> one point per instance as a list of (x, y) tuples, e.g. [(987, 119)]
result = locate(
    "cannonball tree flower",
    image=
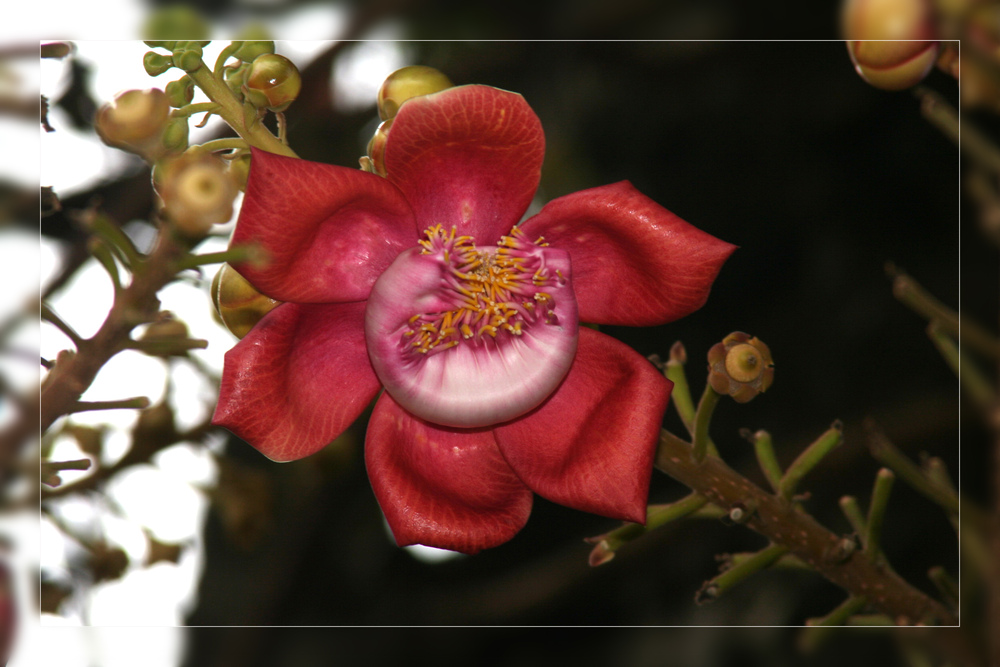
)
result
[(423, 284)]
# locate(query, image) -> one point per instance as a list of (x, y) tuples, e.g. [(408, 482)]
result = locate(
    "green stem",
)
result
[(197, 107), (876, 512), (973, 380), (243, 253), (706, 406), (231, 110), (763, 448), (224, 145), (100, 250), (105, 229), (844, 610), (656, 516), (681, 393), (809, 458), (910, 293), (716, 587), (890, 456), (849, 506), (220, 62), (166, 346)]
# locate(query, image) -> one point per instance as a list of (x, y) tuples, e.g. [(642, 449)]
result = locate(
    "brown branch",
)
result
[(74, 372), (783, 523)]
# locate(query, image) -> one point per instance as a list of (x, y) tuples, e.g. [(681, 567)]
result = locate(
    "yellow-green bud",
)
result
[(233, 76), (251, 49), (891, 65), (376, 147), (155, 63), (134, 121), (180, 92), (188, 60), (407, 83), (175, 136), (740, 366), (197, 191), (237, 303), (239, 168), (174, 21), (272, 82)]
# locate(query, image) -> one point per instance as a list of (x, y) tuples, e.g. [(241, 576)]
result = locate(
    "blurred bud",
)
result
[(166, 552), (180, 92), (174, 21), (272, 82), (154, 429), (165, 327), (740, 366), (134, 121), (251, 49), (406, 83), (175, 136), (90, 439), (197, 191), (239, 305), (107, 563), (155, 63), (376, 147), (239, 169), (891, 65)]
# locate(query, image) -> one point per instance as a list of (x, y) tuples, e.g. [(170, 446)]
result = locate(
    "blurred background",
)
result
[(778, 147)]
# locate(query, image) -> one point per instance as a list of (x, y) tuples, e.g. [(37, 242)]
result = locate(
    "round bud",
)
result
[(134, 121), (180, 92), (174, 21), (272, 82), (239, 169), (870, 27), (165, 328), (376, 147), (175, 136), (155, 63), (188, 60), (406, 83), (197, 192), (238, 305), (740, 366)]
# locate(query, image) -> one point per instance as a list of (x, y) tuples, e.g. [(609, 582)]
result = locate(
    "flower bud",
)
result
[(155, 63), (237, 303), (174, 21), (740, 366), (406, 83), (134, 121), (197, 191), (239, 169), (891, 65), (376, 147), (175, 136), (165, 328), (272, 82), (180, 92)]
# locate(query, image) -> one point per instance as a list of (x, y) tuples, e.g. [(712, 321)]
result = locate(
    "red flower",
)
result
[(408, 282)]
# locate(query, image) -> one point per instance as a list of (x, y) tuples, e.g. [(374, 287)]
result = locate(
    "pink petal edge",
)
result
[(591, 445), (469, 157), (441, 487), (297, 380), (634, 262), (329, 231)]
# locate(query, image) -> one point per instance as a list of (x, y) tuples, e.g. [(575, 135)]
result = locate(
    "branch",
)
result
[(785, 524)]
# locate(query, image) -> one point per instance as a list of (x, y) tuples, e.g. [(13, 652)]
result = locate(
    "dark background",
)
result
[(778, 147)]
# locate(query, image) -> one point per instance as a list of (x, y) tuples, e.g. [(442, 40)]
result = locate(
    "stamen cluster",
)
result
[(494, 290)]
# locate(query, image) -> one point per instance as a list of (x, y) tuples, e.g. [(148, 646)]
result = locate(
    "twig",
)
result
[(783, 523)]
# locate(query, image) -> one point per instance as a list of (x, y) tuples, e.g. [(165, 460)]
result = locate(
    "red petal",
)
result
[(298, 379), (591, 445), (634, 262), (445, 488), (469, 156), (329, 231)]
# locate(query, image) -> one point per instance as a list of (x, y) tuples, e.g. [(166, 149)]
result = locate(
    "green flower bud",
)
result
[(196, 190), (233, 76), (175, 136), (251, 49), (376, 147), (406, 83), (134, 121), (272, 82), (239, 168), (180, 92), (155, 63), (238, 304), (891, 65), (166, 328), (188, 60), (740, 366)]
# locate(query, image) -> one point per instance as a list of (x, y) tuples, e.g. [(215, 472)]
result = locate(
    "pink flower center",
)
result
[(465, 336)]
